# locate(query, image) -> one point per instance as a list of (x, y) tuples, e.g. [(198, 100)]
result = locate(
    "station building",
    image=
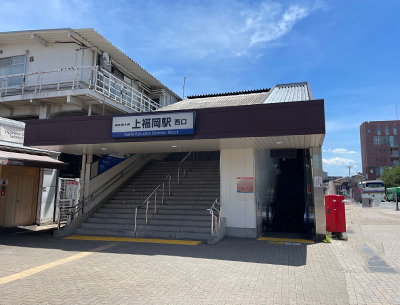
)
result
[(243, 163)]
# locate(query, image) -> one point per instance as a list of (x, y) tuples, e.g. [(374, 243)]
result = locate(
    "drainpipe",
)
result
[(23, 80)]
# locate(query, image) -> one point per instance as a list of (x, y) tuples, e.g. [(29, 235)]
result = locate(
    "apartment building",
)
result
[(379, 147)]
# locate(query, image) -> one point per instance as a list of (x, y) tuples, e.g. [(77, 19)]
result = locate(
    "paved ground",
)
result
[(36, 268)]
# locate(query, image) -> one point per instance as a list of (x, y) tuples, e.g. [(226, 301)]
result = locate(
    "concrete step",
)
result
[(108, 226), (105, 232), (173, 235), (177, 229), (109, 220), (131, 216), (179, 223), (184, 212)]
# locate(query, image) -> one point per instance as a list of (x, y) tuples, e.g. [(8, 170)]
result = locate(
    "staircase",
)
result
[(184, 214)]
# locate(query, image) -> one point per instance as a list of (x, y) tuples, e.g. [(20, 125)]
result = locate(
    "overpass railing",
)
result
[(74, 78)]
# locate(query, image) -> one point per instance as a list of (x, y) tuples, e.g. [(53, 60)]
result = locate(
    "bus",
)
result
[(391, 193), (374, 189)]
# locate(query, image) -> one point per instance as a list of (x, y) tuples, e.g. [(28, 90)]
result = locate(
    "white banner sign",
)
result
[(12, 134)]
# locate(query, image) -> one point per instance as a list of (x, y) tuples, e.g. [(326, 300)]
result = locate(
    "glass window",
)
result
[(11, 66), (377, 140), (374, 184), (369, 131), (385, 140), (386, 130), (394, 129), (378, 131)]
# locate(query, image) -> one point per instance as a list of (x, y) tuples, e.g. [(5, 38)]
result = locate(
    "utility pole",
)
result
[(184, 82)]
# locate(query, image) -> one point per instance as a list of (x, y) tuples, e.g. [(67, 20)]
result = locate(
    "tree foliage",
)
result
[(391, 177)]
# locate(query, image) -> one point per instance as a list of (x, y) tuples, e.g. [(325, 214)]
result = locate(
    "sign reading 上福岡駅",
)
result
[(153, 125)]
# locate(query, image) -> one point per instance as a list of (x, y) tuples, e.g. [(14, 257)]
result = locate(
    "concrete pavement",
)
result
[(37, 268)]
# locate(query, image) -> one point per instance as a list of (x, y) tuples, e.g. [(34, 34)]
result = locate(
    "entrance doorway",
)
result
[(18, 200), (291, 206)]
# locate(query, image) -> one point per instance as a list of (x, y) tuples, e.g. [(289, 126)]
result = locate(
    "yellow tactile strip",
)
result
[(136, 240), (292, 240), (34, 270)]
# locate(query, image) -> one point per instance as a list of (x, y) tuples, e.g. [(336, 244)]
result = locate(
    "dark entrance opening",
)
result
[(290, 207)]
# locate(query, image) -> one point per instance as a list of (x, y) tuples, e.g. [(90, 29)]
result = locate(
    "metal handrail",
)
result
[(147, 201), (215, 220), (72, 212), (73, 78), (184, 164), (169, 176)]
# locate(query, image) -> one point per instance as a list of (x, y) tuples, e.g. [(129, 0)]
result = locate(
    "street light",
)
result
[(349, 167)]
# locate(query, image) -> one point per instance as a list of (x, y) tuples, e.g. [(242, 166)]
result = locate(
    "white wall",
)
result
[(54, 56), (238, 208)]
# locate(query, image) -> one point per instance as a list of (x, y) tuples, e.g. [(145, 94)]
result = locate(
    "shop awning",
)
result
[(20, 159)]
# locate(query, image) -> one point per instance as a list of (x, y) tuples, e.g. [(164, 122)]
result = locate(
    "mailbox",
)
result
[(335, 213)]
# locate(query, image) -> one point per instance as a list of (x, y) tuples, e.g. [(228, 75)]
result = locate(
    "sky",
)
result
[(347, 50)]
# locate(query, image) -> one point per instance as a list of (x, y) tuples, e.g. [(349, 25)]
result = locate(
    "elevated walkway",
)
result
[(183, 214)]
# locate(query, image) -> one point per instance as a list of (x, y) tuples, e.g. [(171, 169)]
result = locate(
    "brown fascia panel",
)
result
[(261, 120)]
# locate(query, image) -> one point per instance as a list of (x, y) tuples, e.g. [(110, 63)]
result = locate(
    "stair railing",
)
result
[(186, 164), (216, 208), (147, 200), (73, 212)]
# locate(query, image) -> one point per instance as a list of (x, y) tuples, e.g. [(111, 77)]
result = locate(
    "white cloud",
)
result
[(343, 151), (229, 28), (270, 21), (338, 161)]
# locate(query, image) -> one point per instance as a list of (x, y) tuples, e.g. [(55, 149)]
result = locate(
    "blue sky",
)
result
[(347, 50)]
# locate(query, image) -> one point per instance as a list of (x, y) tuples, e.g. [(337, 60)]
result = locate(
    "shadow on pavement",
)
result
[(229, 249)]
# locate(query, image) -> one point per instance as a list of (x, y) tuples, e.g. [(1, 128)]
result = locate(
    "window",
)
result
[(386, 130), (385, 140), (369, 131), (380, 150), (394, 129), (375, 184), (378, 131), (377, 140), (11, 66), (393, 141)]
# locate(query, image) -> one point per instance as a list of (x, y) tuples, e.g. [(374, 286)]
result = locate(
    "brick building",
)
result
[(379, 147)]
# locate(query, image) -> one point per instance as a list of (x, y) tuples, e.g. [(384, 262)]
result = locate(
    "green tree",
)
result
[(391, 177)]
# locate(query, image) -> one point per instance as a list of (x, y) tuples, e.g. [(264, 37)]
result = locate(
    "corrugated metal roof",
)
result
[(219, 101), (289, 93), (92, 39)]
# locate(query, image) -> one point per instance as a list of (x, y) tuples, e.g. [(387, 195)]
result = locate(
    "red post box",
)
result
[(335, 213)]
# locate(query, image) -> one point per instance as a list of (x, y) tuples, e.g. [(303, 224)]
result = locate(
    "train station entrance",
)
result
[(264, 172)]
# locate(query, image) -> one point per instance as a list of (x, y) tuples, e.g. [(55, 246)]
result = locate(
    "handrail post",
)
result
[(135, 217), (162, 198), (155, 202), (59, 217), (212, 222), (147, 209), (169, 186)]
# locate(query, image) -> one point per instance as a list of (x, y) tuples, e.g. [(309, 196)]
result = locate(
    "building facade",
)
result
[(379, 147), (72, 72)]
